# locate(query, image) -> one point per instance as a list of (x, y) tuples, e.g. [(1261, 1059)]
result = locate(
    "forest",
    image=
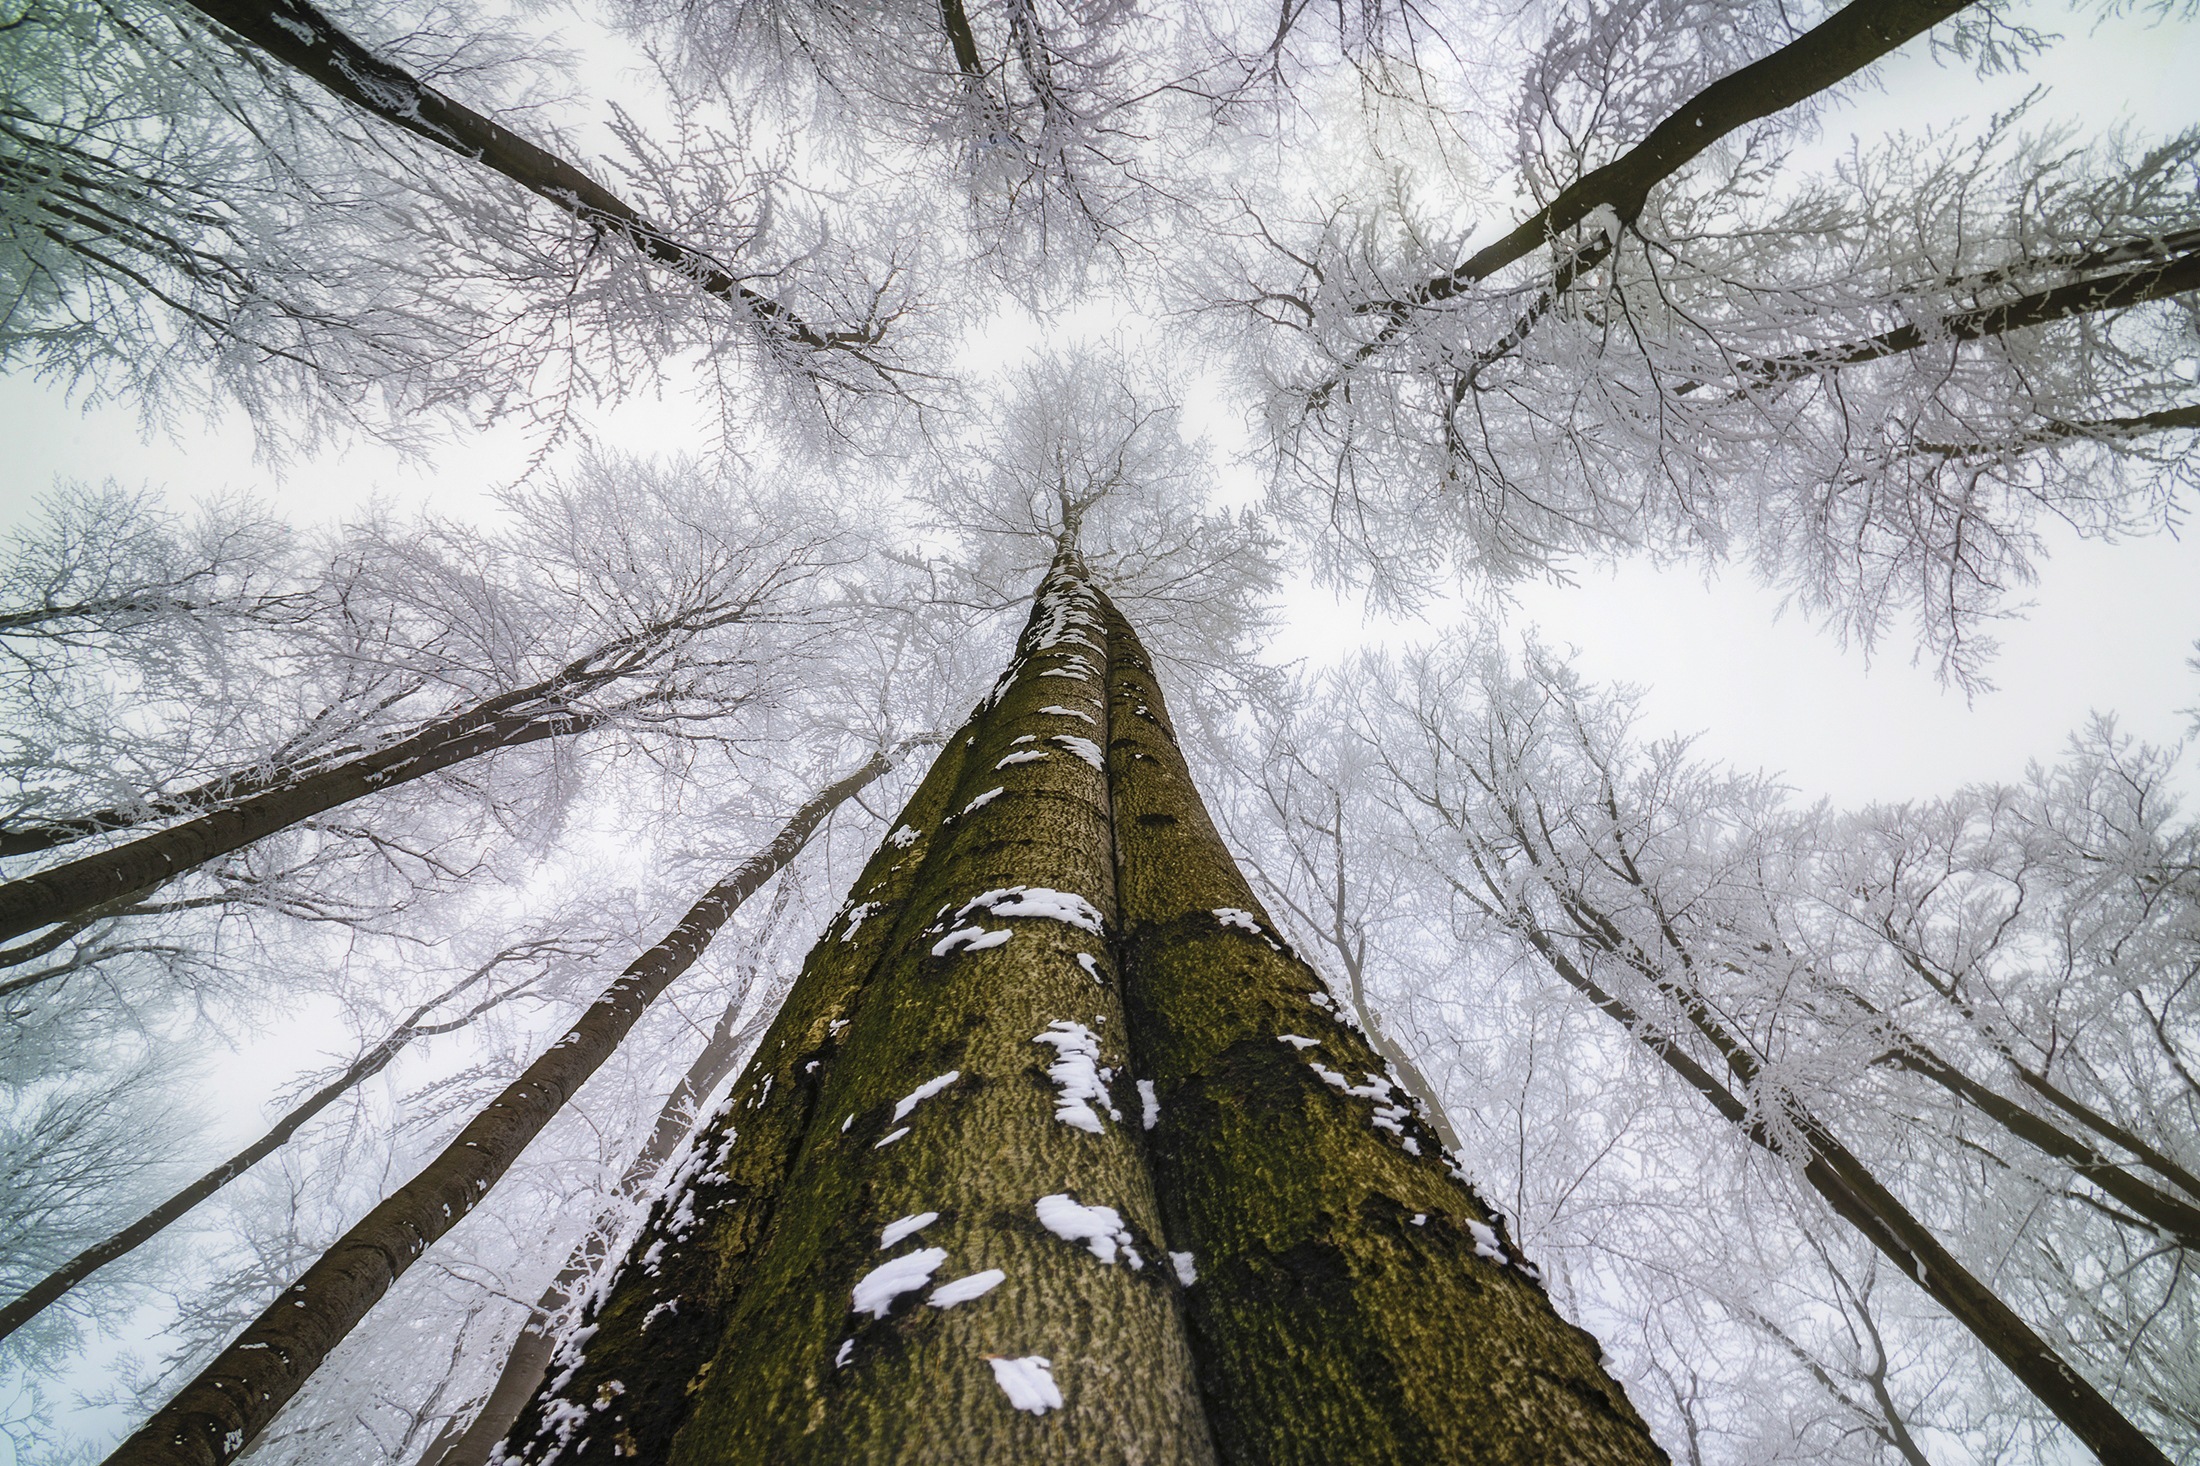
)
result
[(864, 783)]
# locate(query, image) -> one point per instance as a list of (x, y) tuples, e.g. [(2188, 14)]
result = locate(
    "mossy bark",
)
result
[(988, 1027), (1287, 1267), (1355, 1300), (622, 1384)]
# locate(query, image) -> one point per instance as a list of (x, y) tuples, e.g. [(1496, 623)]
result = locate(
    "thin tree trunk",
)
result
[(1356, 1301), (234, 1398), (2175, 1219), (1855, 1194), (83, 886), (941, 1099), (297, 34), (464, 1442), (49, 1290)]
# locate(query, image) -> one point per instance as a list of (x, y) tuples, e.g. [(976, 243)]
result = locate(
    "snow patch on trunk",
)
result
[(877, 1289), (1098, 1227), (975, 938), (1084, 748), (1062, 906), (982, 800), (1076, 1075), (1028, 1382), (962, 1290), (896, 1231), (856, 917), (923, 1092)]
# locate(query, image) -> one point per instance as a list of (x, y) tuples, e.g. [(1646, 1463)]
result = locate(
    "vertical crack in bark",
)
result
[(960, 1092), (1355, 1300)]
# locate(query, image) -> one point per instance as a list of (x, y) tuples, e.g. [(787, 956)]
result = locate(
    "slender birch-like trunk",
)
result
[(235, 1397), (49, 1290), (1052, 1156)]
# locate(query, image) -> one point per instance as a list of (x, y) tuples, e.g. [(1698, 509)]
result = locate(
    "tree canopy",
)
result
[(1849, 1134)]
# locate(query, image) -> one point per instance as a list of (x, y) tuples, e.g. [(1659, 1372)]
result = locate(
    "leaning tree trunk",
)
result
[(943, 1218), (49, 1290), (80, 889), (1858, 1197), (214, 1417)]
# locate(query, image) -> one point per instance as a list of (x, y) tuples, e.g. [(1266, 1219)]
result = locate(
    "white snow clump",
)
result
[(1063, 906), (1076, 1075), (896, 1231), (1084, 748), (923, 1092), (1098, 1227), (975, 938), (962, 1290), (877, 1289), (1028, 1383)]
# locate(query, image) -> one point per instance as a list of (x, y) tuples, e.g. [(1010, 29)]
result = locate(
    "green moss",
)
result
[(980, 1154), (1328, 1323)]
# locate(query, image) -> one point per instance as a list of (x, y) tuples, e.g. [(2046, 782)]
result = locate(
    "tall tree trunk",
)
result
[(937, 1106), (1356, 1300), (941, 1219), (83, 886), (234, 1398)]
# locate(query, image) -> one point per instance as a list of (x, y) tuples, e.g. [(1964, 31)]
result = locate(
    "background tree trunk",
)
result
[(234, 1398), (464, 1442), (81, 887)]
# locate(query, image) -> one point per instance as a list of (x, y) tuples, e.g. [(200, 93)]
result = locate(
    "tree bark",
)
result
[(951, 1051), (82, 886), (1356, 1300), (234, 1398)]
